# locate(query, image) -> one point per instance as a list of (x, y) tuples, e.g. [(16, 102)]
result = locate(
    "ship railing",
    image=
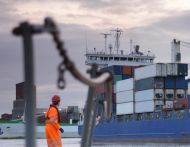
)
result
[(26, 31)]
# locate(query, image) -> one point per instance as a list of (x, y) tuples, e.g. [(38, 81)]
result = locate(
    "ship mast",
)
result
[(117, 36), (105, 36)]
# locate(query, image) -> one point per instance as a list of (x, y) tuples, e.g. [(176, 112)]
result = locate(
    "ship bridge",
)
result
[(107, 59)]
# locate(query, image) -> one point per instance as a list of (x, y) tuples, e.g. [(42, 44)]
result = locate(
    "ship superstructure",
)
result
[(117, 56)]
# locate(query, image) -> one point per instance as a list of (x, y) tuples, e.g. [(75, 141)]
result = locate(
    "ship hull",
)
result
[(155, 130), (16, 130)]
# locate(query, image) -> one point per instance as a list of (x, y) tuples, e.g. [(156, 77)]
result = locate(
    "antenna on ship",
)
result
[(131, 44), (105, 36), (117, 36)]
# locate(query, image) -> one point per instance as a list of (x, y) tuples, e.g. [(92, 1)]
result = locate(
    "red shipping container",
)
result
[(180, 103), (127, 70)]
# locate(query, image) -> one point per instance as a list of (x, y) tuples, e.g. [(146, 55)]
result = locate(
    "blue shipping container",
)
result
[(180, 83), (188, 99), (125, 76), (116, 69), (169, 83)]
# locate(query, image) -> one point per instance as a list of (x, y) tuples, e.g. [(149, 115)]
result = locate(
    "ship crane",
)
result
[(175, 50)]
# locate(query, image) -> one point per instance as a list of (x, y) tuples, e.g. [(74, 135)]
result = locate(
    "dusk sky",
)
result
[(150, 23)]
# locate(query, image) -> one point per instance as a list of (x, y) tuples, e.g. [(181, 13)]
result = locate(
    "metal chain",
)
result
[(61, 83)]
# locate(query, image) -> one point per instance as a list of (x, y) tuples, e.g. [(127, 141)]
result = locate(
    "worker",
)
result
[(52, 128)]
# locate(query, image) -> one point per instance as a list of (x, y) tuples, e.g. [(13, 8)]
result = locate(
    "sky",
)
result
[(150, 23)]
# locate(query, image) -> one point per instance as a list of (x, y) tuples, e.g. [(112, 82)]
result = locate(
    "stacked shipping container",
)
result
[(125, 97), (147, 89)]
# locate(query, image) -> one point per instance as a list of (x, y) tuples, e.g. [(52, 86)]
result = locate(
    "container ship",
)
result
[(150, 101)]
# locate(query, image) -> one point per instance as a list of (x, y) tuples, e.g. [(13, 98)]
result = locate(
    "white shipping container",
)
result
[(145, 106), (149, 94), (125, 108), (157, 102), (124, 85), (169, 105), (172, 69), (153, 70), (125, 96), (169, 94)]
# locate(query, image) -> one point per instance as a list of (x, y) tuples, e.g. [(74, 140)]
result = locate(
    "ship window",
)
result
[(105, 58), (130, 59), (116, 58), (123, 59), (110, 58)]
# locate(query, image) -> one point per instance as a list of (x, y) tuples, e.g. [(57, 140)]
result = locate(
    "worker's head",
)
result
[(55, 100)]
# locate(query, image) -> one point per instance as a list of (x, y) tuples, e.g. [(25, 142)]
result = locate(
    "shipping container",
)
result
[(180, 83), (115, 69), (182, 69), (125, 108), (171, 69), (125, 96), (169, 83), (177, 69), (150, 94), (169, 105), (144, 106), (188, 100), (169, 94), (180, 93), (149, 83), (117, 78), (180, 103), (154, 70), (127, 70), (148, 106), (125, 76), (124, 85)]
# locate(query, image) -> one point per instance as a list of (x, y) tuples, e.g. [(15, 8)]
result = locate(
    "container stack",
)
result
[(176, 86), (125, 97), (119, 73), (149, 88)]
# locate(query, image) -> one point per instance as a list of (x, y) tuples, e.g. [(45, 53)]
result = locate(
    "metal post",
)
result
[(90, 114), (30, 130)]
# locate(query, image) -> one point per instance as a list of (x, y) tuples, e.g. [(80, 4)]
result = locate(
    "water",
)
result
[(75, 142)]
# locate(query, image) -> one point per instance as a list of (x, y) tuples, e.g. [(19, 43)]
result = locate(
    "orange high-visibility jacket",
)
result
[(53, 135)]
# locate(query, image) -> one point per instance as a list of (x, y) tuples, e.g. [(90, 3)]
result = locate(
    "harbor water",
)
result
[(75, 142)]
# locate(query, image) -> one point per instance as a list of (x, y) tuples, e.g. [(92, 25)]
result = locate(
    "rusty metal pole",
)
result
[(25, 30)]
